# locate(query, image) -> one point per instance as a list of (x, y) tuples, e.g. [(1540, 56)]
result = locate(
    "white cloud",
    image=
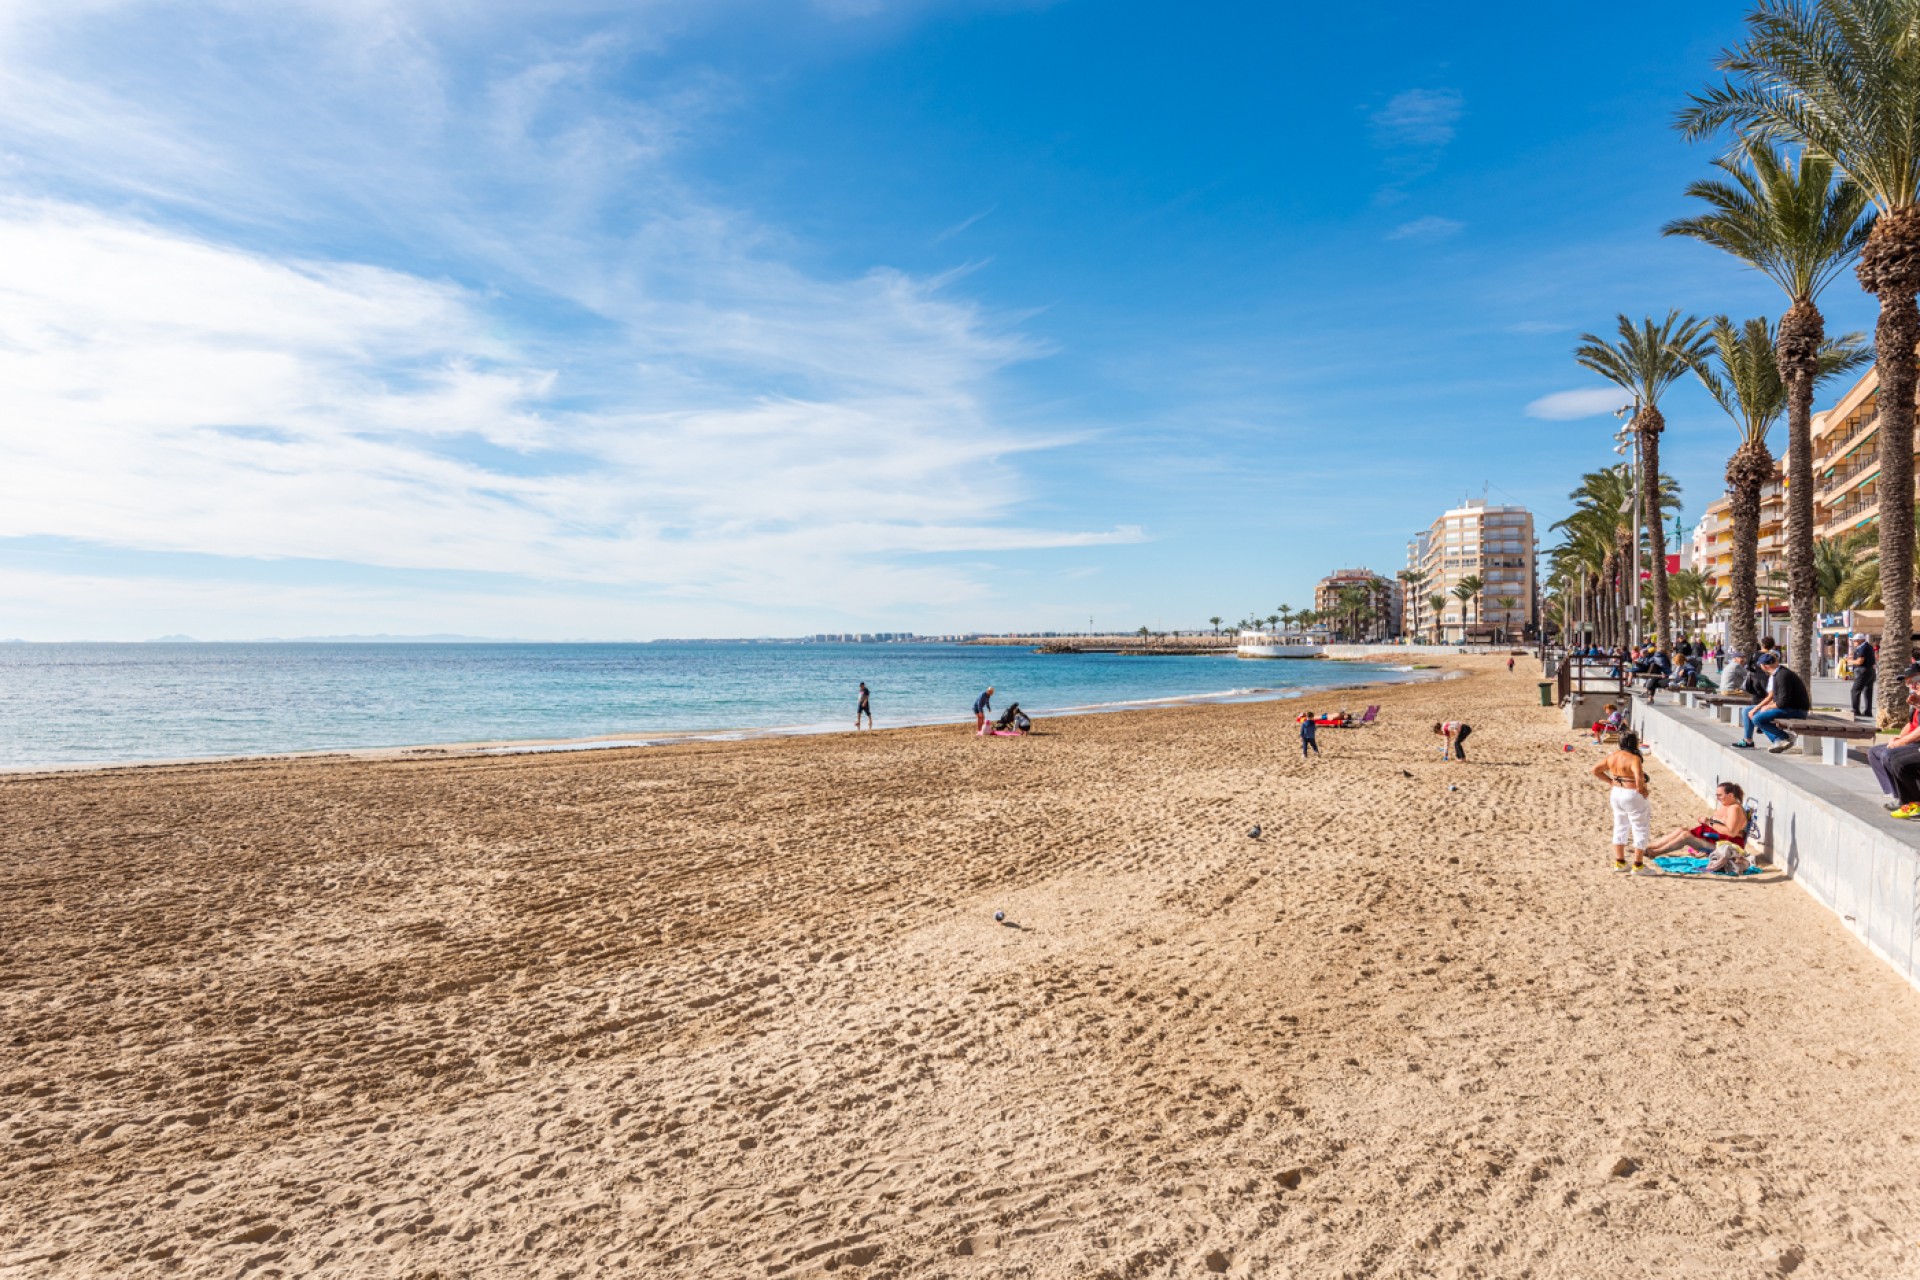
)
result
[(1431, 227), (1419, 118), (687, 415), (1588, 402)]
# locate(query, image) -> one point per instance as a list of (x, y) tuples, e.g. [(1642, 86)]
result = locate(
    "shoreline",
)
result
[(497, 747)]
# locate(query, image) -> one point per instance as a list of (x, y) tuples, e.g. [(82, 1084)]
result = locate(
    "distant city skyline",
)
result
[(740, 318)]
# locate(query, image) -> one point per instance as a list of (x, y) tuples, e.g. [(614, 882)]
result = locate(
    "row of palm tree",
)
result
[(1821, 104)]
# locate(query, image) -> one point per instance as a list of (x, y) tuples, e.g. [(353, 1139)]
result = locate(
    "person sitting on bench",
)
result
[(1787, 699), (1896, 765)]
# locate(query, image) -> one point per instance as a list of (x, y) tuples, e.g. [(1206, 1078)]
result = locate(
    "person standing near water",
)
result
[(864, 709), (982, 705), (1309, 735)]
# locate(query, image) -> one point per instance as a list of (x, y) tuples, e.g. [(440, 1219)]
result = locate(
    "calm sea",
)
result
[(107, 703)]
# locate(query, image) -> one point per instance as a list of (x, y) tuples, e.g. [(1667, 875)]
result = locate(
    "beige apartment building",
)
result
[(1474, 539), (1846, 460), (1383, 593)]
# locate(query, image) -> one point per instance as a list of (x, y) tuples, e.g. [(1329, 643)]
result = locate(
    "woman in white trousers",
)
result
[(1625, 774)]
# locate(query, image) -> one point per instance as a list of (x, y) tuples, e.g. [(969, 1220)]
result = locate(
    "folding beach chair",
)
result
[(1370, 715)]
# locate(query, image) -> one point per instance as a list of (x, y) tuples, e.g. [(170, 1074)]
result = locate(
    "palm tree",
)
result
[(1746, 383), (1840, 78), (1644, 362), (1835, 561), (1798, 227), (1436, 605), (1464, 591), (1507, 605), (1411, 580), (1215, 620)]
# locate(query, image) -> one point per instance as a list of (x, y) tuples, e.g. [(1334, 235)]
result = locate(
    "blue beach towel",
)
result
[(1676, 865)]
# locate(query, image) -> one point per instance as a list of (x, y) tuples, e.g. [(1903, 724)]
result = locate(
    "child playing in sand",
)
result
[(1613, 722)]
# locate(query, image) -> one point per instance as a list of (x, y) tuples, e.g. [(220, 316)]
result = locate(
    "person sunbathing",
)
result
[(1722, 835), (1613, 722)]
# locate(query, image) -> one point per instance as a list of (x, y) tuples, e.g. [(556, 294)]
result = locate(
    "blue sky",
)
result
[(674, 318)]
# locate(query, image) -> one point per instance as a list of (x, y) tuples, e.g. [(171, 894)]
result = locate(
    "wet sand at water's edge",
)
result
[(742, 1009)]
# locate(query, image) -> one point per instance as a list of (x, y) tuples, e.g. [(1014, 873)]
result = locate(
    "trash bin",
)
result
[(1546, 693)]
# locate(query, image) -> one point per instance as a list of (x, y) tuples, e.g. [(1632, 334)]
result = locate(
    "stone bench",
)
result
[(1832, 735), (1725, 706)]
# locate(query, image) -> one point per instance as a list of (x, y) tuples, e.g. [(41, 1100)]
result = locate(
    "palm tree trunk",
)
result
[(1747, 473), (1890, 268), (1651, 425), (1802, 329)]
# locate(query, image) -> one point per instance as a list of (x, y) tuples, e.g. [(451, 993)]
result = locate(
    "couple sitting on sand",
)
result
[(1721, 835)]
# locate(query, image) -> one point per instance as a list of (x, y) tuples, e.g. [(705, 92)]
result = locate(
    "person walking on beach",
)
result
[(1863, 660), (1309, 735), (1509, 666), (982, 705), (1455, 734), (864, 709), (1625, 773)]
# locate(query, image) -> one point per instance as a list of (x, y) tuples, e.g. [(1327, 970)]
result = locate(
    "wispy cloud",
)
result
[(1419, 118), (963, 224), (602, 378), (1588, 402), (1431, 227)]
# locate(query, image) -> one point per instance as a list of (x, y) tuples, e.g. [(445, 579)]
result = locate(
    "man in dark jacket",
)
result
[(1862, 658), (1787, 699)]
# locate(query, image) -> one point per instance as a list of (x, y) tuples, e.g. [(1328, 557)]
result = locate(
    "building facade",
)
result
[(1494, 544), (1381, 593)]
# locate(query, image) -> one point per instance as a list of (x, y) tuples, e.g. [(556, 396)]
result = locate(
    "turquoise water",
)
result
[(112, 703)]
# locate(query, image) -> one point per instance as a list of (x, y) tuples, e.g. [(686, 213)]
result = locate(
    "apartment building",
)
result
[(1383, 593), (1493, 543), (1846, 460)]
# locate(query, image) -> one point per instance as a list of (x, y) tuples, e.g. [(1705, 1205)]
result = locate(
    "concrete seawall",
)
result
[(1825, 826)]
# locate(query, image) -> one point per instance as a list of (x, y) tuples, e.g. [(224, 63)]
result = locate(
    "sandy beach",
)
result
[(742, 1009)]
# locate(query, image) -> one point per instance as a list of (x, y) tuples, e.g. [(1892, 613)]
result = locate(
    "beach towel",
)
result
[(1677, 865)]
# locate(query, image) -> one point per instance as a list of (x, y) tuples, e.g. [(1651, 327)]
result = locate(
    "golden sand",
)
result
[(743, 1010)]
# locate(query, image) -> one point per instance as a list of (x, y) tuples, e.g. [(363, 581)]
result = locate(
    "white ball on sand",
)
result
[(1451, 787)]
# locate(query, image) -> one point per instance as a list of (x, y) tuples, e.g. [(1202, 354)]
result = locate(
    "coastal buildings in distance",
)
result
[(1473, 542), (1359, 603)]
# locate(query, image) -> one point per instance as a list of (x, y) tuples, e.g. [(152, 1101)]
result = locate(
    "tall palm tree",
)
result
[(1840, 78), (1644, 362), (1215, 620), (1507, 605), (1744, 378), (1411, 580), (1464, 591), (1436, 605), (1797, 226)]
